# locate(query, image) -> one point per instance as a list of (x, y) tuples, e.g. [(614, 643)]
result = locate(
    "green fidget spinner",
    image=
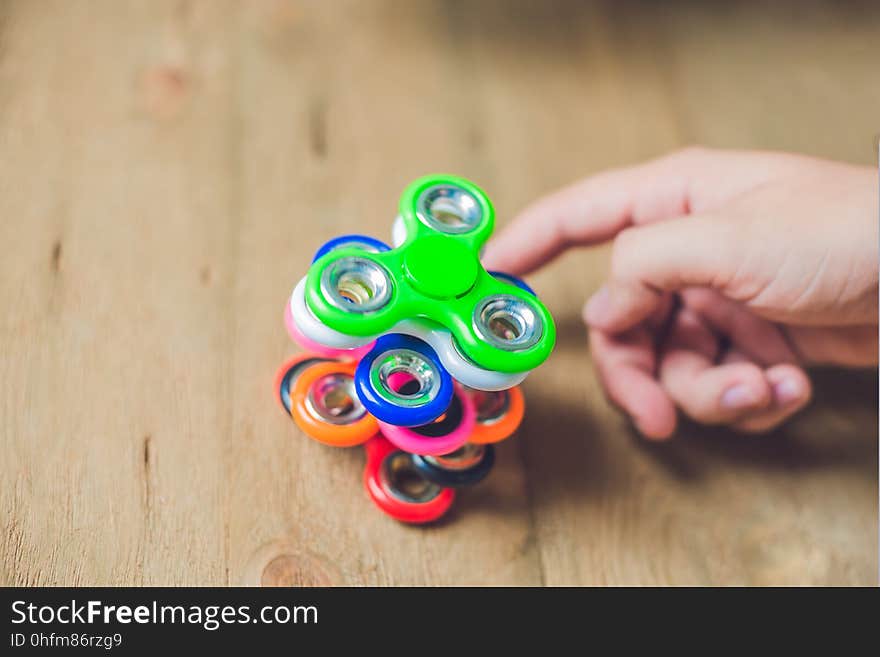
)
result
[(436, 275)]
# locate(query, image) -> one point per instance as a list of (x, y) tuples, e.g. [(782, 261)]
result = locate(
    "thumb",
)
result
[(646, 261)]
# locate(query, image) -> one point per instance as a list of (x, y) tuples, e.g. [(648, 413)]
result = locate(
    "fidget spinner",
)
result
[(415, 351), (358, 289), (318, 393), (410, 472)]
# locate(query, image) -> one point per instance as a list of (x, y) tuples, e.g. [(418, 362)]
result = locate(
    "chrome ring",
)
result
[(492, 406), (332, 398), (507, 322), (291, 375), (403, 480), (405, 361), (357, 285), (449, 209), (464, 458)]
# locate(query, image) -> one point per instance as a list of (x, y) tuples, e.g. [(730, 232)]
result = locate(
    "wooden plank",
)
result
[(116, 229), (797, 77)]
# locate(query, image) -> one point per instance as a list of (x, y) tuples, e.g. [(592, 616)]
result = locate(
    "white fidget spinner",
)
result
[(437, 337)]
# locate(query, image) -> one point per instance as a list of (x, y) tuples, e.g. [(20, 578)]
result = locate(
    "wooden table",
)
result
[(167, 170)]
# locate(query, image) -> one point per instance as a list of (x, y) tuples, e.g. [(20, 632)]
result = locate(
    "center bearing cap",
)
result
[(441, 267)]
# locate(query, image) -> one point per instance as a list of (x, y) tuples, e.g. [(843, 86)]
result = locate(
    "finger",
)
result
[(589, 212), (791, 392), (625, 365), (687, 330), (758, 339), (598, 208), (705, 392), (649, 261)]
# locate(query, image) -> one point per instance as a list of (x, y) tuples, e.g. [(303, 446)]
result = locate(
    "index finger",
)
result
[(596, 209)]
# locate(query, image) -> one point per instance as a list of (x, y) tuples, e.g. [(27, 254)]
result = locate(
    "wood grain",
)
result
[(166, 171)]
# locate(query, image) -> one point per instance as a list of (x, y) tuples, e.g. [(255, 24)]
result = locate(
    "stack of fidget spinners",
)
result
[(415, 351)]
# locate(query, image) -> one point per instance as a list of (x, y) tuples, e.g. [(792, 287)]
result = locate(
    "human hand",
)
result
[(731, 272)]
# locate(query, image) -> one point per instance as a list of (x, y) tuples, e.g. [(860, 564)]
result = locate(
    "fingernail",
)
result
[(598, 306), (739, 396), (787, 391)]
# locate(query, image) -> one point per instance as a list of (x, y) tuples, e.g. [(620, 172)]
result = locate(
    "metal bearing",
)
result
[(449, 209), (425, 375), (332, 398), (507, 322), (357, 285), (404, 481)]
